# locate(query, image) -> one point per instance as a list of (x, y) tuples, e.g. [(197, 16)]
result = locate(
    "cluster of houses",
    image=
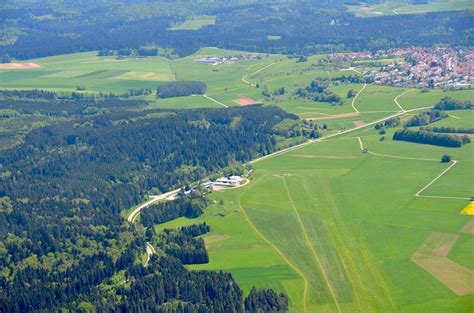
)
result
[(227, 60), (420, 67)]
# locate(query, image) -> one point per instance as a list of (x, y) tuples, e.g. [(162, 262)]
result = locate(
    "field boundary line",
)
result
[(281, 254), (310, 141), (355, 98), (418, 194), (310, 245), (214, 100), (396, 99), (350, 69), (244, 78), (368, 112), (361, 144)]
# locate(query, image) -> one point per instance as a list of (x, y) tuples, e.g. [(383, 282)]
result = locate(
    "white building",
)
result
[(231, 181)]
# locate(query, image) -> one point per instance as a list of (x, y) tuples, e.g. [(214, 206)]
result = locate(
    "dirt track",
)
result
[(330, 117)]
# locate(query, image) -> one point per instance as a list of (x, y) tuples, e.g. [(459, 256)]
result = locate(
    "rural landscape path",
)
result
[(397, 97), (150, 250), (356, 96), (351, 69), (215, 101), (310, 141), (244, 78), (134, 214), (418, 194)]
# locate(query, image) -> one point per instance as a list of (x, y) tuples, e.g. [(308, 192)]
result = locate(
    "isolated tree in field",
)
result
[(446, 158)]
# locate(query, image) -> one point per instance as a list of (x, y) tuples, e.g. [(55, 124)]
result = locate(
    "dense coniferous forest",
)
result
[(181, 89), (187, 206), (431, 138), (183, 246), (240, 26), (265, 301), (63, 191), (73, 108)]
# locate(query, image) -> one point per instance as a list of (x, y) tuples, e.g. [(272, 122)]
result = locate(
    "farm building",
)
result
[(231, 181)]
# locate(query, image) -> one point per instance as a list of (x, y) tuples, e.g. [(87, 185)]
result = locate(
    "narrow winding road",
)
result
[(150, 250)]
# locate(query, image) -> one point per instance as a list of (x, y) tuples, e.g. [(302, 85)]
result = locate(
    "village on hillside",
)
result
[(438, 67)]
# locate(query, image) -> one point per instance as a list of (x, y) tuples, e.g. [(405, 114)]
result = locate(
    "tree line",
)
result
[(37, 95), (448, 129), (425, 118), (180, 89), (430, 138), (448, 103)]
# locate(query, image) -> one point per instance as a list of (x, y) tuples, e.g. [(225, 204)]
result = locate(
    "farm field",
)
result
[(226, 82), (316, 223), (195, 23), (402, 7), (86, 69)]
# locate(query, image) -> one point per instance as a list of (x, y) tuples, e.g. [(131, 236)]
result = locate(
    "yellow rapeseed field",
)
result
[(469, 209)]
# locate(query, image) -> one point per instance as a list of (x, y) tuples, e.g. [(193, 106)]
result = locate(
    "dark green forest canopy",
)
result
[(240, 25), (64, 189)]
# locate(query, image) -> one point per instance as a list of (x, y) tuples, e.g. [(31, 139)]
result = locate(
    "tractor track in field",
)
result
[(345, 258), (215, 101), (311, 247), (277, 250), (244, 78)]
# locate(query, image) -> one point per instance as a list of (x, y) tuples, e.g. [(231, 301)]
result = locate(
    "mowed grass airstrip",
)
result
[(337, 229)]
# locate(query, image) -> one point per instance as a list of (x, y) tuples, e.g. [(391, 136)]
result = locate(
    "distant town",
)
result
[(228, 59), (447, 68)]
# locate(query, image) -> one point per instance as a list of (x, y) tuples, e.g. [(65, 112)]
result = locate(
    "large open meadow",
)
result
[(341, 230), (336, 228)]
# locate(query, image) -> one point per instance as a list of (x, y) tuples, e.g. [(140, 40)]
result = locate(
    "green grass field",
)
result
[(94, 73), (331, 226), (195, 23), (336, 228), (402, 7)]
